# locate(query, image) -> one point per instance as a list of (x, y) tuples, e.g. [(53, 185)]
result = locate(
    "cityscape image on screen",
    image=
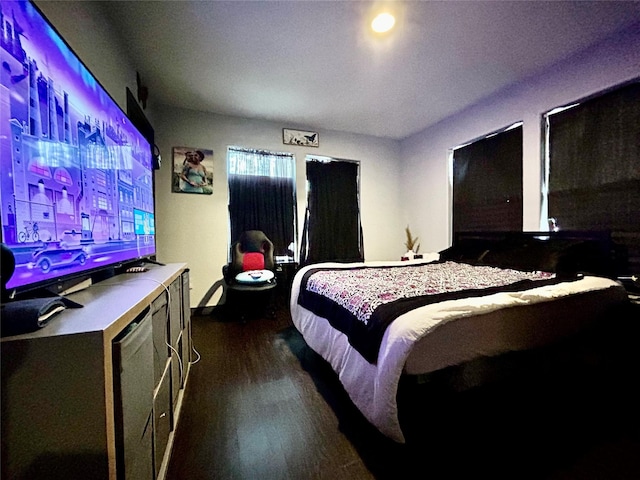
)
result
[(76, 187)]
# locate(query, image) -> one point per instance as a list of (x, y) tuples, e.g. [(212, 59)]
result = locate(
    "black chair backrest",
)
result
[(255, 241)]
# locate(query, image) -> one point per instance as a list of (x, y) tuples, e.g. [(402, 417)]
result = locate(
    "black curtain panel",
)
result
[(487, 183), (332, 230), (263, 203)]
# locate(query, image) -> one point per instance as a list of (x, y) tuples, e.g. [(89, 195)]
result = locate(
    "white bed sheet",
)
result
[(449, 333)]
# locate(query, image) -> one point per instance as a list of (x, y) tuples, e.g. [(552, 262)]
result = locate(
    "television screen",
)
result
[(76, 188)]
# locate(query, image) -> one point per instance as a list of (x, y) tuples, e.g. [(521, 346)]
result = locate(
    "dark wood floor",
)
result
[(261, 405)]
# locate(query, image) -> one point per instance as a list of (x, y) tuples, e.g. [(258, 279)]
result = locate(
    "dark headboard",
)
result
[(563, 252)]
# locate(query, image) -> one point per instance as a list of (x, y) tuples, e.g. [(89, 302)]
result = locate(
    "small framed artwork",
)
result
[(300, 137), (192, 170)]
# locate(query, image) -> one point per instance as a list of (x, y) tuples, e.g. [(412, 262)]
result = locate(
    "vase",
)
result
[(408, 256)]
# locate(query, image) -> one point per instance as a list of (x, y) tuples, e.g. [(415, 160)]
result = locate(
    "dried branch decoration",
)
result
[(411, 243)]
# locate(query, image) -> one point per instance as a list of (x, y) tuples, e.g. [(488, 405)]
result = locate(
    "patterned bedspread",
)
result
[(361, 302)]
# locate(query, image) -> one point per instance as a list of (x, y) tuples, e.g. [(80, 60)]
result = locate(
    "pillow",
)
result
[(587, 256), (468, 250), (252, 261), (527, 256), (565, 257)]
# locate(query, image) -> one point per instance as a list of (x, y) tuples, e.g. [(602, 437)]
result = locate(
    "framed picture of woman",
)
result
[(192, 170)]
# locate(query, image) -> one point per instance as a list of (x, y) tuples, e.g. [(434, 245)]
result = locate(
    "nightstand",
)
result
[(285, 271), (631, 284)]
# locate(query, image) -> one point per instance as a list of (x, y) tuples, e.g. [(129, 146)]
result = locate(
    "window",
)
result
[(592, 165), (262, 196), (487, 183), (332, 229)]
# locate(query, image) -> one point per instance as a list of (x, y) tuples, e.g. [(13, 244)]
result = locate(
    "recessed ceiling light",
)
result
[(383, 23)]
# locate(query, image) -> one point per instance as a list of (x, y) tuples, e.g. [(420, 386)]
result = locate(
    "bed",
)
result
[(486, 296)]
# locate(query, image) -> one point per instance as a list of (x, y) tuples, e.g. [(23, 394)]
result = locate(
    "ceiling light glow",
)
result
[(383, 23)]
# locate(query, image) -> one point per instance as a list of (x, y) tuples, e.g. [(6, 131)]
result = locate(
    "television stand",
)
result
[(78, 395)]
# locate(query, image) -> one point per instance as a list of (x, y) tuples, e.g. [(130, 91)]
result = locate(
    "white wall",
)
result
[(194, 228), (95, 42), (609, 63)]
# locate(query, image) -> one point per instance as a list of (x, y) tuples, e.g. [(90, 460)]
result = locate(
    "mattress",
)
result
[(451, 332)]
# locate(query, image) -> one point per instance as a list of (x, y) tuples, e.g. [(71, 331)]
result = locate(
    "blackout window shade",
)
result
[(487, 183), (594, 166), (594, 162), (263, 203), (262, 196)]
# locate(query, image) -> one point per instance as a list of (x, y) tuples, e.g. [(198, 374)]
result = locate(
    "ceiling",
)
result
[(316, 65)]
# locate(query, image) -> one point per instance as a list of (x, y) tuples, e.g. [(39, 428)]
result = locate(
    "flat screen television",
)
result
[(76, 188)]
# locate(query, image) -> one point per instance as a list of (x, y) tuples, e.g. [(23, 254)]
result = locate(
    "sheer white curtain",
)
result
[(243, 161)]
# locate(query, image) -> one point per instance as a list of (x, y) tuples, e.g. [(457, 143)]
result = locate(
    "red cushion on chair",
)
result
[(253, 261)]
